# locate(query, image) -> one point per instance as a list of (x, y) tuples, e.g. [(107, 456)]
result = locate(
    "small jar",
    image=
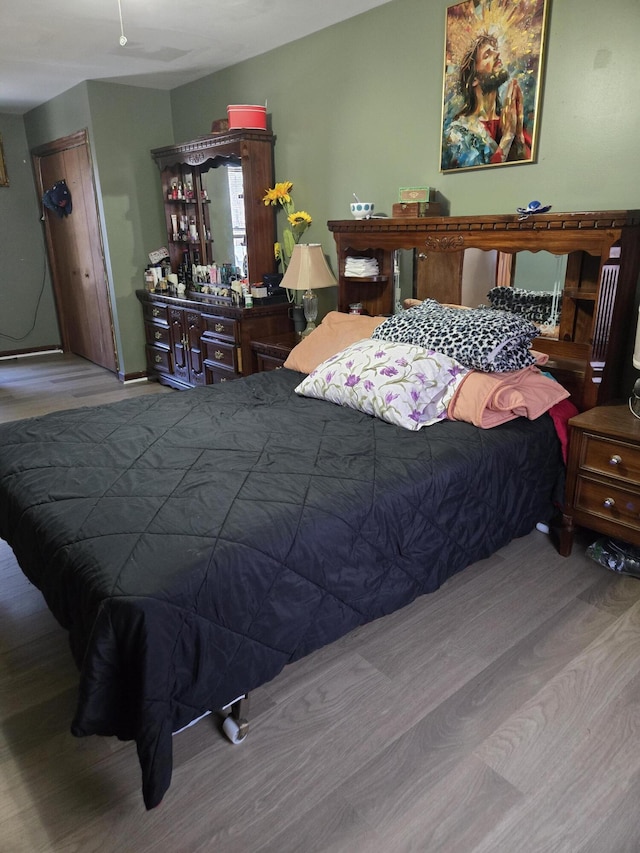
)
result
[(355, 308)]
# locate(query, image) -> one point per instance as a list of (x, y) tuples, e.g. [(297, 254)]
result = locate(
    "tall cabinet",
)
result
[(187, 171), (198, 338)]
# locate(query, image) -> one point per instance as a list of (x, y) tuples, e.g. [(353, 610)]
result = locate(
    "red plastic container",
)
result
[(248, 116)]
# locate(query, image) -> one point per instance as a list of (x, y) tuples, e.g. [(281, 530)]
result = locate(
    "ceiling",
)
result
[(48, 46)]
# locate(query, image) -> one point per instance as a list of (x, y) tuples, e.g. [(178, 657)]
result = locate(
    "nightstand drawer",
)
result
[(608, 501), (611, 458)]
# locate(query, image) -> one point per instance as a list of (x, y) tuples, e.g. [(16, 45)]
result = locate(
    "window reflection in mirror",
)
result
[(227, 216)]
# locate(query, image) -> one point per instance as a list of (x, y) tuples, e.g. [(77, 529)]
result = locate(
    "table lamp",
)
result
[(308, 269)]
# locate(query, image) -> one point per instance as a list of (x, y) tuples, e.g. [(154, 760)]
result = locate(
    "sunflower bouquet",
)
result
[(299, 220)]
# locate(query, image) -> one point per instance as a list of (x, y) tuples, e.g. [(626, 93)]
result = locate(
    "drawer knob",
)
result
[(218, 354), (158, 359), (219, 327), (158, 335), (615, 460), (609, 503), (156, 312)]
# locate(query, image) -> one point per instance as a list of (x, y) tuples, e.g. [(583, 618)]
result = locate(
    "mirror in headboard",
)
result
[(594, 256), (206, 179), (527, 283)]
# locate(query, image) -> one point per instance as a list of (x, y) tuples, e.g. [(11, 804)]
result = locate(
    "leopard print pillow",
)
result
[(532, 304), (479, 338)]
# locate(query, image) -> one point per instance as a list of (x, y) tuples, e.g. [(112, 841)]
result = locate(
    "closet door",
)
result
[(74, 246)]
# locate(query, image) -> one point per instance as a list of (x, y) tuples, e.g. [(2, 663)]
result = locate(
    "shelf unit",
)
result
[(187, 164)]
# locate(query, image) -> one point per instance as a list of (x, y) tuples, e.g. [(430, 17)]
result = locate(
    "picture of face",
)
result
[(493, 58)]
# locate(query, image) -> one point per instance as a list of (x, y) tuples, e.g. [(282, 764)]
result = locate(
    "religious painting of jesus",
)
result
[(492, 82)]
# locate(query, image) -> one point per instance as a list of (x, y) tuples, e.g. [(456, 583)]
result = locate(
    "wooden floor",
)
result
[(500, 714)]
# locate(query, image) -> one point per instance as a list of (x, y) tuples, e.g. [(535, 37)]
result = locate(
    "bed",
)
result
[(193, 544)]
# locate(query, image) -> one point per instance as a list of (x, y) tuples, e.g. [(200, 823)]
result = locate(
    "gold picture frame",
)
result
[(4, 178), (492, 82)]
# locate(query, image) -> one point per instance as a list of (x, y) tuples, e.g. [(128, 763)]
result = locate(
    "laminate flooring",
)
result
[(500, 714)]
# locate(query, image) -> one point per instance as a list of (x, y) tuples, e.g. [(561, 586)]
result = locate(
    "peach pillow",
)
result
[(336, 332)]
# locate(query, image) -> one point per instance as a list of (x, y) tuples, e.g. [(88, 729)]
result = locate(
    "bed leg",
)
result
[(565, 536), (236, 724)]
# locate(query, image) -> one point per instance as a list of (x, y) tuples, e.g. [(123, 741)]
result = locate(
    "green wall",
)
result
[(123, 123), (357, 108), (27, 311)]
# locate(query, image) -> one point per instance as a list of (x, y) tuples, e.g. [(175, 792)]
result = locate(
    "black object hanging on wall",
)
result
[(58, 199)]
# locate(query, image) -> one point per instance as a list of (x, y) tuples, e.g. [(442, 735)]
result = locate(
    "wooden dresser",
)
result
[(603, 475), (199, 342)]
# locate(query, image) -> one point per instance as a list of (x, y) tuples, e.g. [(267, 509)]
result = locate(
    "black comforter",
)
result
[(194, 543)]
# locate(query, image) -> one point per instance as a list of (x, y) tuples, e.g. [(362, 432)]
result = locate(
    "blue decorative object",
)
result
[(58, 199), (533, 207)]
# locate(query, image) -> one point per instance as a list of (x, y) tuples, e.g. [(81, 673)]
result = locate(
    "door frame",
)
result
[(74, 140)]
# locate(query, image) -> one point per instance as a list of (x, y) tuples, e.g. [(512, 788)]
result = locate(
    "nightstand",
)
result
[(271, 351), (603, 475)]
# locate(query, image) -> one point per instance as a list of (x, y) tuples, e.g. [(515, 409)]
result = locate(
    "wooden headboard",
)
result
[(603, 263)]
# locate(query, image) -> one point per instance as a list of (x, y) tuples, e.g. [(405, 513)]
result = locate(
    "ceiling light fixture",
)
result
[(123, 38)]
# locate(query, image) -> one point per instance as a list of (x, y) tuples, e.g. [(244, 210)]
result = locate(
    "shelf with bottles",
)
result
[(198, 171), (186, 216)]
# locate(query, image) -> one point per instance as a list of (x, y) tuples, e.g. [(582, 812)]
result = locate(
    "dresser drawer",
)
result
[(214, 374), (611, 458), (220, 353), (157, 335), (608, 500), (221, 327), (155, 313), (159, 359)]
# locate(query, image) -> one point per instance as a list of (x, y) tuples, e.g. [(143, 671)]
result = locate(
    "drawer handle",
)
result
[(609, 503), (158, 359), (156, 312), (218, 354), (158, 335), (615, 460), (219, 327)]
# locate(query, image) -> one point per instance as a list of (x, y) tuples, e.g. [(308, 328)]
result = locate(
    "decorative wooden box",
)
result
[(406, 210)]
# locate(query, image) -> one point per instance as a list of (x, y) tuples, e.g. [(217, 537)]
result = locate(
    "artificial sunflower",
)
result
[(280, 194), (299, 220)]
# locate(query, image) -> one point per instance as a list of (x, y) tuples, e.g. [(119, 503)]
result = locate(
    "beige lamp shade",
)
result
[(308, 269)]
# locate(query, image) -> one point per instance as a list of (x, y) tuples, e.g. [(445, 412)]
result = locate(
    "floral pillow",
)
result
[(402, 384)]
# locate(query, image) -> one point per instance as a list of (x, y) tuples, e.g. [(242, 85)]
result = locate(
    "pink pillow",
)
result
[(336, 332)]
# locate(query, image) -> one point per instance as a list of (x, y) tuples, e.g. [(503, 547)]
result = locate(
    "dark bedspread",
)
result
[(194, 543)]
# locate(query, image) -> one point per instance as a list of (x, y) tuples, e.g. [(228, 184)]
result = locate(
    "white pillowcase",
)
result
[(402, 384)]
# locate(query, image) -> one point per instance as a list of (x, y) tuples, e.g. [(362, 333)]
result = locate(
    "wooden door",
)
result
[(75, 251), (438, 275)]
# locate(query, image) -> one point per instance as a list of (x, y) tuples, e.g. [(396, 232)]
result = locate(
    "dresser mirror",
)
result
[(224, 186), (226, 175)]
